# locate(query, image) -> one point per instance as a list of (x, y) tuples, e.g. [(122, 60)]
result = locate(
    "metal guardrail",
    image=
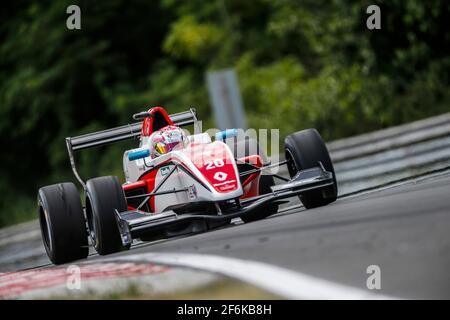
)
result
[(392, 154), (391, 132), (388, 155)]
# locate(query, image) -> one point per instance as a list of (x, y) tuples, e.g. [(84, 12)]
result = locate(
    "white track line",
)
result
[(280, 281)]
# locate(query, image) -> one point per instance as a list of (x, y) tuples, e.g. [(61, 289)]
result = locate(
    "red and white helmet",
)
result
[(166, 140)]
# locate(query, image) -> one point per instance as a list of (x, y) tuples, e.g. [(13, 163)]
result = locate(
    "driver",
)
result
[(165, 140)]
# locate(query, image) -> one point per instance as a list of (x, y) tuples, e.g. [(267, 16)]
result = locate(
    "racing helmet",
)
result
[(165, 140)]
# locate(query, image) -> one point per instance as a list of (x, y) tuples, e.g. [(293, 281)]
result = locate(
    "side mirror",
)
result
[(140, 154), (229, 133)]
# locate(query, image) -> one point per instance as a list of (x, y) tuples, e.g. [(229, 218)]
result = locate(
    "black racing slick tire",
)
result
[(62, 222), (304, 149), (104, 195), (265, 182), (244, 147)]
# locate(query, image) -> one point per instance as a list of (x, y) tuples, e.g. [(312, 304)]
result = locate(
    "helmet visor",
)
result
[(161, 148)]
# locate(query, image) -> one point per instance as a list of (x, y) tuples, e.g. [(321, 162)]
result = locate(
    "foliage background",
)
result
[(310, 63)]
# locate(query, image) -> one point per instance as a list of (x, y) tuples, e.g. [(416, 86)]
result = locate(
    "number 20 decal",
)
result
[(211, 164)]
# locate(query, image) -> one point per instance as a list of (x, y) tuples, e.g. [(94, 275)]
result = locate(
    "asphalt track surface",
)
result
[(404, 230)]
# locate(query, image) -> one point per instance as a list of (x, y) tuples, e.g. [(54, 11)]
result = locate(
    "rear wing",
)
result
[(125, 132), (129, 131)]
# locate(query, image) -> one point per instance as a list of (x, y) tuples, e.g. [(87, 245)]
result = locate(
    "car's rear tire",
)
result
[(305, 149), (62, 222), (104, 195), (265, 182)]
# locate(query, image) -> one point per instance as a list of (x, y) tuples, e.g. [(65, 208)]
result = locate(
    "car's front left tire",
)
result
[(62, 222), (304, 150), (104, 195)]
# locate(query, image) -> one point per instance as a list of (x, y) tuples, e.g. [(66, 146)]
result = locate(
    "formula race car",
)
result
[(177, 183)]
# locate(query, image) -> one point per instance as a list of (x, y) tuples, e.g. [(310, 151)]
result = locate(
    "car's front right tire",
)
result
[(265, 184), (104, 195), (245, 147)]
